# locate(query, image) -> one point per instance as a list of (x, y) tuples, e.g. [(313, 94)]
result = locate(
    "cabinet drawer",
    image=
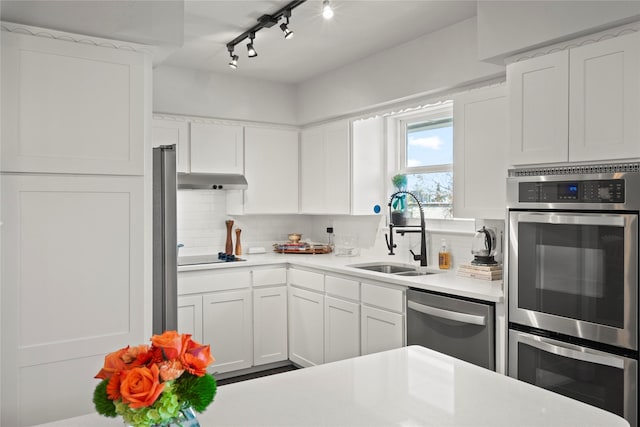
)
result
[(190, 282), (342, 287), (391, 299), (274, 276), (307, 279)]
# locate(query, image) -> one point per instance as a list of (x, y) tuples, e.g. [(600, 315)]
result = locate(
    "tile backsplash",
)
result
[(201, 217)]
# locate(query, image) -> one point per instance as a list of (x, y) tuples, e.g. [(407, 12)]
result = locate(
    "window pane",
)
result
[(430, 143), (435, 191)]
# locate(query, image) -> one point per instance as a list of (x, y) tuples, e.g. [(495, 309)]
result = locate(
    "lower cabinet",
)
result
[(269, 325), (381, 330), (306, 327), (341, 329), (227, 327), (190, 316)]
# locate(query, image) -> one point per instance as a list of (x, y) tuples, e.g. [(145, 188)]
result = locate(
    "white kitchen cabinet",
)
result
[(72, 107), (382, 318), (271, 169), (539, 109), (325, 169), (168, 131), (217, 148), (190, 316), (480, 132), (270, 325), (306, 327), (341, 329), (604, 99), (368, 172), (227, 327), (579, 104), (381, 330)]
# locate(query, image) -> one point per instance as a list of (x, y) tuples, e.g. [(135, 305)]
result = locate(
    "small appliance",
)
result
[(483, 247)]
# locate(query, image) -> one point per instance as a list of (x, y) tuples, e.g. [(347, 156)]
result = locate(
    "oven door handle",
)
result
[(542, 344), (447, 314), (555, 218)]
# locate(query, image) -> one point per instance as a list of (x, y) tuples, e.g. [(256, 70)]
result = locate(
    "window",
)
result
[(426, 157)]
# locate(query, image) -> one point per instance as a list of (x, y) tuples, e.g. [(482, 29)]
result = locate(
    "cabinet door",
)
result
[(170, 132), (190, 316), (217, 148), (324, 169), (480, 132), (381, 330), (271, 169), (539, 106), (605, 100), (73, 286), (227, 327), (367, 166), (341, 329), (72, 107), (306, 327), (269, 325)]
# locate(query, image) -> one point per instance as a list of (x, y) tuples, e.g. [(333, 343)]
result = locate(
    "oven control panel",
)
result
[(593, 191)]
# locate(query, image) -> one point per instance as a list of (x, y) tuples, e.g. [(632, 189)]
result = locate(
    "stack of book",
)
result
[(484, 272)]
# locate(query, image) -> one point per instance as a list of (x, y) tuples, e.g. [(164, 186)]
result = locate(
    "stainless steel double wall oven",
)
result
[(573, 282)]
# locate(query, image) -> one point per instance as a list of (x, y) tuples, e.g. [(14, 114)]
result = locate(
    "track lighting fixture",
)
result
[(268, 21), (285, 27), (327, 11), (251, 52)]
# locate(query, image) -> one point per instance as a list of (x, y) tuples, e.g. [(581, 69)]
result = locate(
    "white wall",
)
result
[(202, 93), (509, 27), (432, 63)]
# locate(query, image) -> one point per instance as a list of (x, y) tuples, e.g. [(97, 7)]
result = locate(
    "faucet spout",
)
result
[(422, 256)]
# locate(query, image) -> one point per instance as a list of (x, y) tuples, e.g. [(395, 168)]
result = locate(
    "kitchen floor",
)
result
[(256, 375)]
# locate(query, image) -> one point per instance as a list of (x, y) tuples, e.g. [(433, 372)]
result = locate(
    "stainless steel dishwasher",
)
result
[(462, 328)]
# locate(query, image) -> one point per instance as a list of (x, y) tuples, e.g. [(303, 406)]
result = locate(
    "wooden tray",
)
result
[(310, 250)]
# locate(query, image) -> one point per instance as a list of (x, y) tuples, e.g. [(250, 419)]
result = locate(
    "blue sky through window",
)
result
[(428, 146)]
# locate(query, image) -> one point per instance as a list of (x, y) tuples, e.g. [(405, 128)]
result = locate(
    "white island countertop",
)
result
[(410, 386)]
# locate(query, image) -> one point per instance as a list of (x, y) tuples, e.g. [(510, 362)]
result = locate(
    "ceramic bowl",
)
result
[(295, 237)]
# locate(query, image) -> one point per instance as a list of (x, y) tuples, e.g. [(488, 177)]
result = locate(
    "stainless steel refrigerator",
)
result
[(165, 257)]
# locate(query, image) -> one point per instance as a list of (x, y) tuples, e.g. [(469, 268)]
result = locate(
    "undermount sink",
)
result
[(395, 269), (385, 268)]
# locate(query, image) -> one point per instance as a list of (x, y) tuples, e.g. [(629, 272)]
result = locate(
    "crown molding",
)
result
[(610, 33), (75, 38), (217, 121)]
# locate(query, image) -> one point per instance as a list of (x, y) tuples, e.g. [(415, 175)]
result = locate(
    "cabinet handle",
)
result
[(543, 345), (447, 314)]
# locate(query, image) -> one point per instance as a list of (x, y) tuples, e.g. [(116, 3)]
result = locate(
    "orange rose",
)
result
[(133, 353), (196, 358), (170, 343), (170, 370), (140, 387), (113, 363)]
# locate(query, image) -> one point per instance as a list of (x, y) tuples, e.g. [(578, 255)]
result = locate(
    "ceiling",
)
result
[(194, 33)]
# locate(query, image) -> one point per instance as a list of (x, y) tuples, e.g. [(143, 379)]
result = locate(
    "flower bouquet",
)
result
[(156, 385)]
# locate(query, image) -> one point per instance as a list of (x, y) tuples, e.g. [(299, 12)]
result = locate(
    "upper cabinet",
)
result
[(271, 169), (324, 169), (168, 131), (581, 104), (71, 108), (368, 166), (480, 132), (217, 148)]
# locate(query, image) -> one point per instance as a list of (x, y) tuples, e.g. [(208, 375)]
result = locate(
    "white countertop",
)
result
[(410, 386), (444, 281)]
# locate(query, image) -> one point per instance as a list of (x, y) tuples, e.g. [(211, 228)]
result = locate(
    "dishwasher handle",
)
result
[(448, 314)]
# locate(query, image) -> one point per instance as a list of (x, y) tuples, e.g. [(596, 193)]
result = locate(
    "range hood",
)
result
[(211, 181)]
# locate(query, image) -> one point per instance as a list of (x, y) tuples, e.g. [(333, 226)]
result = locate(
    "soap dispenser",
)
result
[(444, 257)]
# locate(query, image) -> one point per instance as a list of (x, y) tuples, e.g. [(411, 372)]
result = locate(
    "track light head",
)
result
[(327, 11), (287, 32), (234, 62), (251, 52)]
